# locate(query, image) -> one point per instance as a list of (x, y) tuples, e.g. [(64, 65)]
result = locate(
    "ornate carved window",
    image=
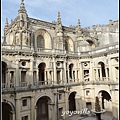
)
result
[(40, 41)]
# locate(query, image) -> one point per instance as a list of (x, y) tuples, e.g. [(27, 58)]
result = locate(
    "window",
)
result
[(87, 92), (66, 45), (60, 96), (40, 41), (11, 76), (23, 63), (23, 76), (24, 118), (24, 102)]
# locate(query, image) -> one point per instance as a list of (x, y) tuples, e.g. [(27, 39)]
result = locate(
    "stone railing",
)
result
[(6, 85), (95, 51), (37, 83), (23, 84), (104, 49)]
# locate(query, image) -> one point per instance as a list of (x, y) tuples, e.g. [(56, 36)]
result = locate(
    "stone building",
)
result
[(48, 68)]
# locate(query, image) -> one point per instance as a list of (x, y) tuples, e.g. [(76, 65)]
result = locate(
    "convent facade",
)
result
[(48, 68)]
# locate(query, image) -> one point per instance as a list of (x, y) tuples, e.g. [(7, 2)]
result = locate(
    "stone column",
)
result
[(72, 75), (17, 102), (20, 80), (31, 72), (49, 79), (8, 78), (68, 76), (80, 73), (93, 98), (17, 81), (45, 77), (66, 102), (113, 73), (32, 109), (77, 103), (61, 76), (37, 73), (52, 74), (35, 109), (94, 75), (97, 75), (65, 78), (51, 111), (110, 69), (106, 72), (56, 106), (91, 72), (101, 74), (55, 72), (32, 41), (13, 115)]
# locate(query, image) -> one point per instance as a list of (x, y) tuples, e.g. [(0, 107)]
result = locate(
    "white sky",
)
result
[(90, 12)]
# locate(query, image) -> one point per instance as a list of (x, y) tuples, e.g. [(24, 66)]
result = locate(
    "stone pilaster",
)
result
[(32, 109), (17, 74), (17, 102)]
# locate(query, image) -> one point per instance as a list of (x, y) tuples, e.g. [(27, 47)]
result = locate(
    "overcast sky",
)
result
[(90, 12)]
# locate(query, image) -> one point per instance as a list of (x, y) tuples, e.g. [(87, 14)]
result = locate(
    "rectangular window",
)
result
[(24, 118), (23, 76), (87, 92), (60, 96), (24, 102), (34, 76), (11, 76)]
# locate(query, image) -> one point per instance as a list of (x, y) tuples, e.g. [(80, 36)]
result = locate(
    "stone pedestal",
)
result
[(98, 116)]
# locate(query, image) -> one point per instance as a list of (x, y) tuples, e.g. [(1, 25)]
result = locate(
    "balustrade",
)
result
[(23, 84)]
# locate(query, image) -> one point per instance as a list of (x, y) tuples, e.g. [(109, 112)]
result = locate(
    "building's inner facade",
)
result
[(48, 68)]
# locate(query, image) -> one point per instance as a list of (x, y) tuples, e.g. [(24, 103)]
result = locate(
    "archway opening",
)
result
[(6, 111), (40, 41), (71, 71), (4, 71), (102, 68), (42, 110), (91, 43), (72, 104), (106, 99), (41, 73)]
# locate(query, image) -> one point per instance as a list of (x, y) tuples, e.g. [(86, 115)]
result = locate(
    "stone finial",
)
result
[(22, 7), (59, 19), (79, 23), (11, 20), (6, 24), (22, 2)]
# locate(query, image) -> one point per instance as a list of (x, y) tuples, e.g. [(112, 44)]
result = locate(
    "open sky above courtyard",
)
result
[(90, 12)]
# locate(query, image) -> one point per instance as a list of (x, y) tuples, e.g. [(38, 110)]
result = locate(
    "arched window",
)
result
[(40, 41), (66, 45)]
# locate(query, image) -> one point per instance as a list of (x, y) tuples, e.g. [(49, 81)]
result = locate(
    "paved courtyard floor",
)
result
[(105, 116)]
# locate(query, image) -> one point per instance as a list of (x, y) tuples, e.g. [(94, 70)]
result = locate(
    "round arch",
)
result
[(42, 108), (8, 110), (41, 73), (102, 66), (72, 102), (68, 43), (91, 43), (71, 74), (106, 100), (44, 95), (46, 36)]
